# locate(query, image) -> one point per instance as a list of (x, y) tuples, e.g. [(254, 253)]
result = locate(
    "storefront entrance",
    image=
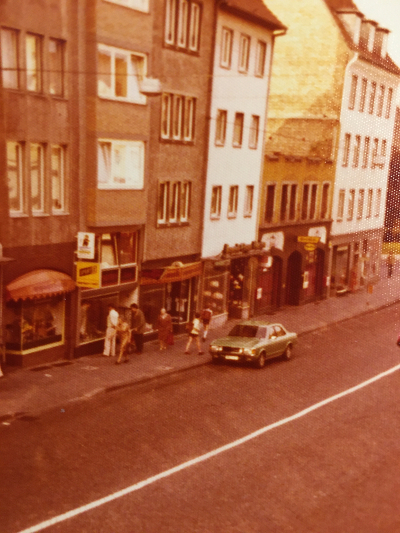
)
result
[(269, 284), (294, 279)]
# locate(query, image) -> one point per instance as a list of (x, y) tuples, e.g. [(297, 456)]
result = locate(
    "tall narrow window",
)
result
[(15, 177), (177, 117), (9, 58), (341, 199), (369, 203), (383, 151), (226, 48), (363, 95), (292, 201), (233, 201), (366, 152), (284, 201), (248, 202), (389, 102), (33, 62), (220, 129), (375, 153), (313, 201), (360, 204), (346, 149), (254, 129), (238, 130), (185, 201), (381, 99), (244, 53), (372, 98), (188, 122), (182, 24), (56, 67), (163, 199), (37, 177), (353, 91), (194, 29), (356, 153), (183, 17), (170, 21), (175, 200), (261, 54), (166, 111), (325, 201), (216, 199), (378, 199), (350, 205), (269, 203), (57, 178), (305, 201)]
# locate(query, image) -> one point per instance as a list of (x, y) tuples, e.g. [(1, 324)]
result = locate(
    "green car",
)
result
[(255, 342)]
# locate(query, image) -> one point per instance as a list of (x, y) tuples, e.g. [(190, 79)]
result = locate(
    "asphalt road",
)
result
[(331, 469)]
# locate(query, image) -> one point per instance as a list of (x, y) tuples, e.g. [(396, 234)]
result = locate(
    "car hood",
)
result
[(236, 342)]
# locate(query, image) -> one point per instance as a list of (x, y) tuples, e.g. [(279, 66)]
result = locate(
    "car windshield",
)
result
[(244, 330)]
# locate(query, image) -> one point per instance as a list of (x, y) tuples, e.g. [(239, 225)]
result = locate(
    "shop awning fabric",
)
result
[(39, 284), (176, 272)]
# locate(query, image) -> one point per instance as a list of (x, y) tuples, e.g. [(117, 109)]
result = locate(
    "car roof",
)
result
[(259, 323)]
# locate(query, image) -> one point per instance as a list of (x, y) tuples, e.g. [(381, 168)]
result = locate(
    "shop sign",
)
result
[(88, 275), (309, 247), (308, 239), (86, 245)]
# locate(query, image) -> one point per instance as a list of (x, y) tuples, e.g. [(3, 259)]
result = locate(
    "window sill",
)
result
[(215, 217), (232, 215), (253, 147), (185, 50), (169, 140), (236, 145), (219, 144), (39, 214), (123, 100), (248, 215), (227, 67), (18, 215), (179, 224), (60, 213)]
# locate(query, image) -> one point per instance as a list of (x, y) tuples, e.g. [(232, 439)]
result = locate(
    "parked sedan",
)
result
[(254, 341)]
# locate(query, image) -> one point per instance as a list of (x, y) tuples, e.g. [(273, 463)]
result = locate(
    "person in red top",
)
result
[(164, 326)]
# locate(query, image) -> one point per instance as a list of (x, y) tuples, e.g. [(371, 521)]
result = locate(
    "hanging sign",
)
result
[(308, 239), (88, 275), (85, 248)]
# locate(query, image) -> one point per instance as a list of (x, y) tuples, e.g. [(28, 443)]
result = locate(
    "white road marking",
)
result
[(204, 457)]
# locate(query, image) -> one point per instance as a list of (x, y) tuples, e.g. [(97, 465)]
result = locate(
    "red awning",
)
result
[(176, 272), (39, 284)]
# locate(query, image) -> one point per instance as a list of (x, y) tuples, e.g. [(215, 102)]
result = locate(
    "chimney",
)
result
[(381, 42), (367, 35), (351, 20)]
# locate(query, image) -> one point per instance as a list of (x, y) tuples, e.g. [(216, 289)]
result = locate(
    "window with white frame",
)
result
[(120, 164), (220, 127), (378, 198), (288, 202), (226, 48), (33, 48), (57, 167), (360, 203), (381, 98), (36, 169), (177, 117), (15, 177), (372, 95), (350, 204), (138, 5), (182, 24), (356, 152), (346, 149), (261, 54), (233, 201), (184, 211), (383, 151), (120, 73), (163, 202), (56, 67), (369, 203), (363, 94), (325, 200), (389, 102), (244, 53), (375, 152), (366, 152), (353, 91), (340, 209), (9, 58), (254, 129), (238, 130), (216, 200), (248, 201), (175, 201)]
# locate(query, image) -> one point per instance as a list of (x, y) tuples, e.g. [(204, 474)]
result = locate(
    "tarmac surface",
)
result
[(26, 392)]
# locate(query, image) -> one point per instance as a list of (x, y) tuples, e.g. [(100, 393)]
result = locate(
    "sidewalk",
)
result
[(24, 393)]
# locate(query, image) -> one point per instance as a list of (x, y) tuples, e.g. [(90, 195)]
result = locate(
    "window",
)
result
[(177, 117), (58, 177), (233, 201), (366, 152), (313, 201), (216, 198), (350, 205), (186, 188), (309, 201), (360, 204), (356, 153), (226, 48), (33, 45), (389, 102), (288, 202), (369, 202), (269, 203), (220, 130), (340, 210), (163, 200), (120, 164), (346, 149), (175, 199), (375, 153), (56, 67), (254, 129), (238, 130), (381, 98), (261, 54), (139, 5), (118, 258), (248, 202), (378, 202), (363, 95), (119, 74), (37, 177), (9, 58), (325, 201), (182, 24), (383, 149), (173, 202), (244, 53), (353, 91), (15, 176), (372, 98)]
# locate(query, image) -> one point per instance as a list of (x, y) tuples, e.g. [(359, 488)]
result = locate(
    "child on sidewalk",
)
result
[(195, 334)]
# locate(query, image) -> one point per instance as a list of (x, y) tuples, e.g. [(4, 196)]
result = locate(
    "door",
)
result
[(294, 279)]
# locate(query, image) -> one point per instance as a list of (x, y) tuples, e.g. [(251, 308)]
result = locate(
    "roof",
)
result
[(255, 11)]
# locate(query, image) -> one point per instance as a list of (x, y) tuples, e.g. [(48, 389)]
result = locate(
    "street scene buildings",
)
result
[(185, 154)]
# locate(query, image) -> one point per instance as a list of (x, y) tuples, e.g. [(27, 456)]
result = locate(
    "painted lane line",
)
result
[(204, 457)]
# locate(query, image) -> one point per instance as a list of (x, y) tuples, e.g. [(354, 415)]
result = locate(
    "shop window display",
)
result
[(93, 317), (34, 323), (215, 289)]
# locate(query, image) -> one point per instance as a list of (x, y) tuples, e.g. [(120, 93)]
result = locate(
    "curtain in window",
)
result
[(104, 163)]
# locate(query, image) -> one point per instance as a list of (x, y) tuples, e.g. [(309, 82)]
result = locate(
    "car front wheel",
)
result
[(260, 363), (287, 354)]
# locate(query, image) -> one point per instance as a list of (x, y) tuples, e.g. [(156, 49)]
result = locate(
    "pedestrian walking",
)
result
[(138, 324), (164, 326), (194, 334), (390, 260), (111, 331), (124, 335), (206, 316)]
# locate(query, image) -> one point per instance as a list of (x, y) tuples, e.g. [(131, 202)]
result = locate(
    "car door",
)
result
[(281, 339), (272, 346)]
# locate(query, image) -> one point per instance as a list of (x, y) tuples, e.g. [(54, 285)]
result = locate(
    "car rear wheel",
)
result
[(260, 363), (287, 354)]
